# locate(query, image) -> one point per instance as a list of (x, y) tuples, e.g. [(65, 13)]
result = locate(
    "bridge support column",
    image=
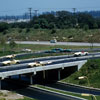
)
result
[(9, 77), (19, 77), (59, 75), (31, 79), (44, 74)]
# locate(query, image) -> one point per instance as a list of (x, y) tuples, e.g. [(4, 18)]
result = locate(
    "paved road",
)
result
[(72, 88), (58, 43), (62, 60), (35, 93), (44, 95)]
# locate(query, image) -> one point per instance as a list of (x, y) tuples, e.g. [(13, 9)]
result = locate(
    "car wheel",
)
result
[(8, 64)]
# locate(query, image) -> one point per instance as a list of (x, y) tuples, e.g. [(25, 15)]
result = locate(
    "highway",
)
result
[(36, 93), (57, 43), (44, 95), (72, 88), (55, 60)]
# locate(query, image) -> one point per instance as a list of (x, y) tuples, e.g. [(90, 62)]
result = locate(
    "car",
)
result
[(50, 51), (9, 62), (36, 64), (67, 50), (57, 50), (10, 56), (81, 53), (62, 50), (26, 50), (53, 41)]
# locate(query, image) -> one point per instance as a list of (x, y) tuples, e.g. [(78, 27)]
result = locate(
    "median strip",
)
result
[(60, 92)]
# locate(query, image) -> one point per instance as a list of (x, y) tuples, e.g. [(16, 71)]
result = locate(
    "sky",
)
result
[(19, 7)]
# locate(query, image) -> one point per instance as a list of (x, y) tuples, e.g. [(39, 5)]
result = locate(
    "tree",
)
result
[(3, 43), (3, 26), (12, 44)]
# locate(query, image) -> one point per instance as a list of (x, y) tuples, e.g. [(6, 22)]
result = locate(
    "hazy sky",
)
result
[(16, 7)]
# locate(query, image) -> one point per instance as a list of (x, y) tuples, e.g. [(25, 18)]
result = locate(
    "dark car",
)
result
[(62, 50), (50, 51), (67, 50), (57, 50)]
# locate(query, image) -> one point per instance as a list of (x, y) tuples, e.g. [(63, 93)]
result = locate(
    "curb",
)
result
[(66, 95), (79, 86)]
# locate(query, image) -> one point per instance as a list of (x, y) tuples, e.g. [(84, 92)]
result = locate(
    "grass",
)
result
[(35, 48), (77, 35), (66, 92), (92, 70), (27, 98)]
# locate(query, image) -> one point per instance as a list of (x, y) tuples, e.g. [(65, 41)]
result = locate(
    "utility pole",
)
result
[(74, 10), (36, 12), (30, 13), (76, 21)]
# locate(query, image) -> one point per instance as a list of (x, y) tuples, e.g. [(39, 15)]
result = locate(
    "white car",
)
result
[(35, 64), (9, 62), (26, 50), (10, 56), (81, 53)]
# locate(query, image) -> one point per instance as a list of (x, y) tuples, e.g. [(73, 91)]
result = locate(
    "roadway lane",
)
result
[(58, 43), (43, 95), (35, 93), (23, 66), (72, 88)]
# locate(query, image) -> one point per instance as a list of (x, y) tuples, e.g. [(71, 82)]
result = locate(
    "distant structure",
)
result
[(74, 10), (30, 13), (36, 12)]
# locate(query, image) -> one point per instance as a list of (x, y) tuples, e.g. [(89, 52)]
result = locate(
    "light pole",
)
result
[(92, 96), (85, 77), (84, 94), (91, 41)]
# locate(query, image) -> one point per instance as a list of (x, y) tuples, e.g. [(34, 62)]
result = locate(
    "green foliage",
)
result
[(27, 30), (3, 27), (12, 44), (53, 31), (60, 20), (91, 69), (26, 98), (85, 27), (2, 40), (20, 30), (2, 99)]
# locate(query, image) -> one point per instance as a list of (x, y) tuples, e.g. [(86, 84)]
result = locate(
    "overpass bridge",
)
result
[(48, 71)]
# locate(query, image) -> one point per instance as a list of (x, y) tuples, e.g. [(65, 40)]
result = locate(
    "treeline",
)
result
[(59, 20)]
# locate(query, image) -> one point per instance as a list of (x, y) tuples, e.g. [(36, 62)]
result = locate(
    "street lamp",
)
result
[(92, 96), (84, 77), (91, 41)]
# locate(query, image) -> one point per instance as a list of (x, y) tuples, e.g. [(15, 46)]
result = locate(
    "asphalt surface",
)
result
[(43, 95), (35, 93), (72, 88), (59, 60), (57, 43)]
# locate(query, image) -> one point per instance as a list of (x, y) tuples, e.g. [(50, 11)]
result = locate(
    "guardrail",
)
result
[(40, 68)]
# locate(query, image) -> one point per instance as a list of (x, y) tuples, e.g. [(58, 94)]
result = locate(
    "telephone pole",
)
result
[(74, 10), (36, 12), (30, 13)]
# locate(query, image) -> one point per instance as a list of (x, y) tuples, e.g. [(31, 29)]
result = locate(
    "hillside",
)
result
[(91, 70), (30, 34)]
